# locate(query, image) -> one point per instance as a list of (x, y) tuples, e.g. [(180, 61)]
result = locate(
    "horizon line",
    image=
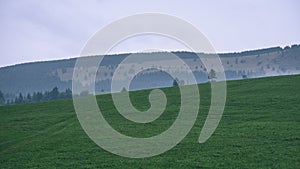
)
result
[(148, 52)]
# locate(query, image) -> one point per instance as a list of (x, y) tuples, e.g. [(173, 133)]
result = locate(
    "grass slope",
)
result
[(259, 129)]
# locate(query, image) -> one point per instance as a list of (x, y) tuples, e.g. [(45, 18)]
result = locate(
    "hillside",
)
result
[(259, 129), (44, 76)]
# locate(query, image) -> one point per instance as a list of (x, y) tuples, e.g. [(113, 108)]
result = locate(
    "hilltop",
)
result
[(44, 76)]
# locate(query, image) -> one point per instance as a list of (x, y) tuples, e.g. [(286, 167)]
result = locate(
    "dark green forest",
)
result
[(54, 94)]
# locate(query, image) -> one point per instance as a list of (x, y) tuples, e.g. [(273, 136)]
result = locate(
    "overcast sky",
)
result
[(38, 30)]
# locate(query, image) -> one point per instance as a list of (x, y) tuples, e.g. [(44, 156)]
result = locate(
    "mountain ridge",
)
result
[(225, 54), (45, 75)]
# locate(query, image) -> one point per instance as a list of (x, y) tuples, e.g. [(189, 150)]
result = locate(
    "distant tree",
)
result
[(212, 75), (244, 77), (20, 99), (54, 94), (65, 95), (123, 89), (28, 98), (175, 82), (287, 47), (2, 99), (295, 46), (46, 96), (38, 97), (68, 93)]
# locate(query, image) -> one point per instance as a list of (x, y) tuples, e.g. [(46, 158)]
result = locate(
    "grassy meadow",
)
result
[(260, 128)]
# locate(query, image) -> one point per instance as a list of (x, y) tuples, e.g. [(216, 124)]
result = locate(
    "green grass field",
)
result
[(260, 128)]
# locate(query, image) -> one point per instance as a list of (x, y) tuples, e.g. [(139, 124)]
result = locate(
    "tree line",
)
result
[(54, 94)]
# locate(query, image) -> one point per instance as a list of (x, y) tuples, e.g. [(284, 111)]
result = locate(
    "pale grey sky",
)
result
[(34, 30)]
